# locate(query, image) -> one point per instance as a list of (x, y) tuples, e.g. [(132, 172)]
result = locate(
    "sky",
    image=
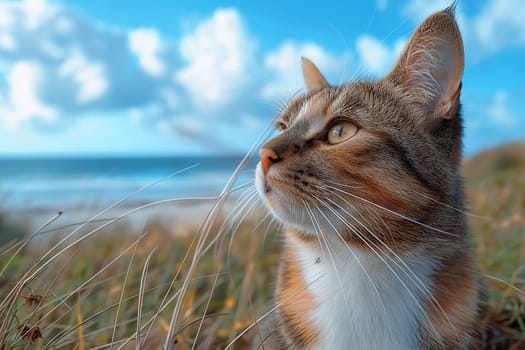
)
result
[(98, 77)]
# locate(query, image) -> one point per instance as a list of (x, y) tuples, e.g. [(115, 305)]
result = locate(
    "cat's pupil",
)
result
[(340, 131)]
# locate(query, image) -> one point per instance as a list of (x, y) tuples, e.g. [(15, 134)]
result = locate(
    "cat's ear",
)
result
[(313, 79), (431, 67)]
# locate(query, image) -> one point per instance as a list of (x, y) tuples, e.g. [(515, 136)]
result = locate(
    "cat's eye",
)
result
[(280, 126), (341, 131)]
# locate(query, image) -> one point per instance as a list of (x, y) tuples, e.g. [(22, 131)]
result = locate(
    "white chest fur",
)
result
[(363, 303)]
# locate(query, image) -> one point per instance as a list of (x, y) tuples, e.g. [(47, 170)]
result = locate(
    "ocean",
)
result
[(59, 183)]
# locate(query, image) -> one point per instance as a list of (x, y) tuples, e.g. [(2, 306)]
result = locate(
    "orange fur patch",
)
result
[(456, 292), (295, 301)]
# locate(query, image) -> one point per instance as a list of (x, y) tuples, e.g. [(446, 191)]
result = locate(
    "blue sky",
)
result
[(98, 77)]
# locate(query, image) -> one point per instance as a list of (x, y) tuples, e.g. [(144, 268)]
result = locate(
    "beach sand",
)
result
[(180, 217)]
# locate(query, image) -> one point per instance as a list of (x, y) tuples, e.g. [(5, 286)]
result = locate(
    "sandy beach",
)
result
[(184, 216)]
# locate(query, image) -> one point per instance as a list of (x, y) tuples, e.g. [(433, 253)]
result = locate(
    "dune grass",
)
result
[(106, 288), (495, 188), (120, 280)]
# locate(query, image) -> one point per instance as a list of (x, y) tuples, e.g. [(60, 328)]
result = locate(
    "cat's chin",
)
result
[(281, 207), (293, 215)]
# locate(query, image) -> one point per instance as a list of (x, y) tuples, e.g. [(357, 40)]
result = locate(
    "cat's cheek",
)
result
[(268, 197), (260, 185)]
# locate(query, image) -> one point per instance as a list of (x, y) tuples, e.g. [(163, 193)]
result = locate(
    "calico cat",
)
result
[(365, 178)]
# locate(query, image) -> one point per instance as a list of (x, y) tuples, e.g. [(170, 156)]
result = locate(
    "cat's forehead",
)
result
[(314, 108), (308, 108), (369, 103)]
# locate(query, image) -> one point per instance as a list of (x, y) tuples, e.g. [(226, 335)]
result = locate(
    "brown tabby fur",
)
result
[(403, 163)]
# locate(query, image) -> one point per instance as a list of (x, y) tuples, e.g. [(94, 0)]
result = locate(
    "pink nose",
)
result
[(268, 158)]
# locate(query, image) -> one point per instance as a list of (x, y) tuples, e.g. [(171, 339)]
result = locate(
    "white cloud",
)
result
[(65, 67), (23, 100), (251, 122), (146, 44), (381, 5), (219, 54), (89, 76), (375, 57), (499, 112), (6, 20), (285, 65), (83, 66), (37, 12), (418, 10), (500, 24), (7, 42), (64, 25)]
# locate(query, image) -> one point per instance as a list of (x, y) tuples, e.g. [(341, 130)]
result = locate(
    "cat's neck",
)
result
[(368, 299), (351, 295)]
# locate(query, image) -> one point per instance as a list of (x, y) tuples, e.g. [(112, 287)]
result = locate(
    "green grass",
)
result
[(495, 187), (101, 289)]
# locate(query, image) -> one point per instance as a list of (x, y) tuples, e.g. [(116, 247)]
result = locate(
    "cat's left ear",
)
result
[(313, 78), (431, 67)]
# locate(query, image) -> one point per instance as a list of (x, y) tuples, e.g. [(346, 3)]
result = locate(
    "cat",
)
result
[(365, 179)]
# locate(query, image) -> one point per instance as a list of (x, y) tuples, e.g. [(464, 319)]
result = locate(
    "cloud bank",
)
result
[(60, 66)]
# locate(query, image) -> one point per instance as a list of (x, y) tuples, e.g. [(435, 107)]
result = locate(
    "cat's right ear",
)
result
[(430, 68), (313, 78)]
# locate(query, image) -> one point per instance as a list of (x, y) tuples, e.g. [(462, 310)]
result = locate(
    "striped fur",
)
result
[(376, 254)]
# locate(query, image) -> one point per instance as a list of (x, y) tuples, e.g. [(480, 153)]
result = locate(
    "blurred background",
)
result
[(98, 98)]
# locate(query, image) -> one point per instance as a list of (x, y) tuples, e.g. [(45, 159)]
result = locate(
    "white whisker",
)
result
[(395, 213)]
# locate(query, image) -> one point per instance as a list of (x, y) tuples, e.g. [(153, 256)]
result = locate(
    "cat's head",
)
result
[(353, 157)]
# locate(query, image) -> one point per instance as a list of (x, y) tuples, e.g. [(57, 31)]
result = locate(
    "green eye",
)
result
[(341, 132)]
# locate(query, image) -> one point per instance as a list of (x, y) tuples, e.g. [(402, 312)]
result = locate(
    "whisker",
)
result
[(405, 268), (395, 213), (374, 287), (366, 241), (461, 211), (320, 237)]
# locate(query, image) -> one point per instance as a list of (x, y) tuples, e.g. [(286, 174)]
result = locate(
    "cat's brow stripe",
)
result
[(327, 106), (408, 165)]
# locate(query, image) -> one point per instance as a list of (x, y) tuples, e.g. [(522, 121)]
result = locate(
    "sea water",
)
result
[(89, 182)]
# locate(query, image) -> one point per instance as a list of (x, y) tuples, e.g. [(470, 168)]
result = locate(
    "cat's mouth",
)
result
[(267, 187), (280, 199), (262, 182)]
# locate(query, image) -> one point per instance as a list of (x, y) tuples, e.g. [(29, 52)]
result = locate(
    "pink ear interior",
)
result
[(431, 67), (313, 78)]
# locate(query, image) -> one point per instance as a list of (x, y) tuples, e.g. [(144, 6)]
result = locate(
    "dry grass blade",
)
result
[(38, 270), (138, 343), (29, 276), (507, 284), (54, 342), (51, 344), (205, 230), (81, 342), (121, 297), (76, 290), (28, 239), (11, 298)]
